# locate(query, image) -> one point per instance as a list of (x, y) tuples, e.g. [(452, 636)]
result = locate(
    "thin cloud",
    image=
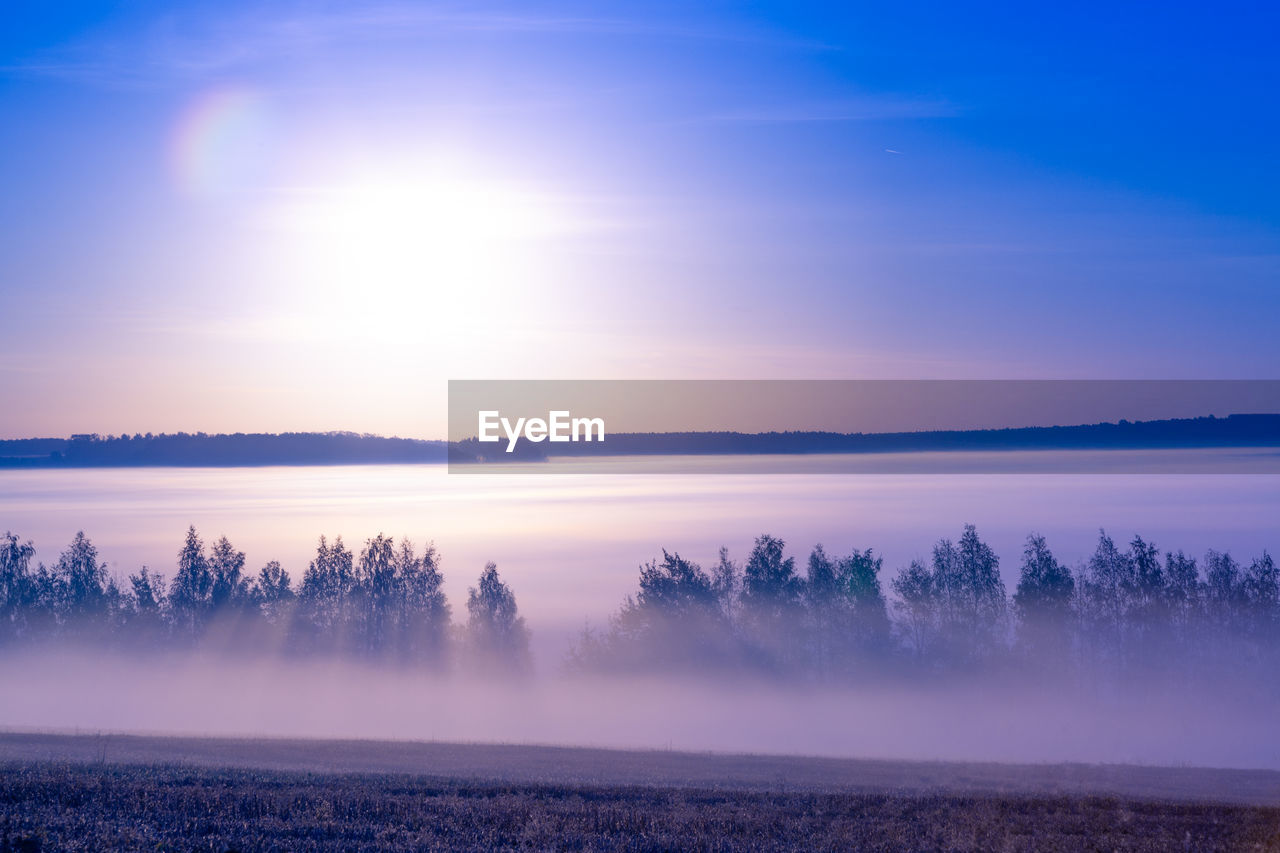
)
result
[(193, 47), (866, 108)]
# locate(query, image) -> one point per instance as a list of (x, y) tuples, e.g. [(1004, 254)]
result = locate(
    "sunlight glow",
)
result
[(384, 254)]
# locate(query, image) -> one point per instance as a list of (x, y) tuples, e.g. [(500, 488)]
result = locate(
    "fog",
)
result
[(570, 546), (570, 549), (82, 691)]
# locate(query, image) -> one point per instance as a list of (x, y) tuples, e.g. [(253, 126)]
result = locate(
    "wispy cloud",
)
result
[(886, 107), (178, 48)]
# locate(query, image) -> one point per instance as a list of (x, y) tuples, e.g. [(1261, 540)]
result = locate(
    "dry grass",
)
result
[(73, 806)]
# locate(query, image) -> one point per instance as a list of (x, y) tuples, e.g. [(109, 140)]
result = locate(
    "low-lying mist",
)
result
[(1226, 724), (1134, 655)]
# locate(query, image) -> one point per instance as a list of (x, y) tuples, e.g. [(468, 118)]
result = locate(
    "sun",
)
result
[(382, 248)]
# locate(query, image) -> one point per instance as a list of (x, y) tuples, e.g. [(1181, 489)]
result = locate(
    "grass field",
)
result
[(152, 793)]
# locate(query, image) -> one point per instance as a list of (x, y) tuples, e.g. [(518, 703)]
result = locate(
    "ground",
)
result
[(98, 793)]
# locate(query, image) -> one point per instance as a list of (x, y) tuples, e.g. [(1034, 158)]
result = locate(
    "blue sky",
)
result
[(296, 216)]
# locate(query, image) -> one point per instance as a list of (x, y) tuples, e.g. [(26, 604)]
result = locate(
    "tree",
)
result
[(81, 585), (867, 614), (1044, 601), (770, 582), (1148, 609), (496, 633), (376, 589), (323, 617), (966, 579), (229, 589), (956, 608), (145, 615), (1224, 594), (675, 620), (1184, 593), (771, 601), (848, 616), (45, 607), (1105, 587), (726, 582), (680, 617), (1149, 579), (1261, 593), (425, 612), (272, 592), (148, 590), (918, 607), (17, 586), (676, 588), (823, 606), (822, 586), (190, 592)]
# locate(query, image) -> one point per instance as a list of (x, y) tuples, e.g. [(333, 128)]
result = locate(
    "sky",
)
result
[(305, 216)]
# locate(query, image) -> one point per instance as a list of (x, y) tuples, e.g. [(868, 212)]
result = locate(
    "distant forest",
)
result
[(204, 450), (347, 448), (1129, 611), (1232, 431)]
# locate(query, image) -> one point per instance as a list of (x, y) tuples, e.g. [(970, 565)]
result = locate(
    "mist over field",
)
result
[(1230, 725), (927, 646)]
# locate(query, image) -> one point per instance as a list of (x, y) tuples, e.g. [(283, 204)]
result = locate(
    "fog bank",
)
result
[(1231, 725)]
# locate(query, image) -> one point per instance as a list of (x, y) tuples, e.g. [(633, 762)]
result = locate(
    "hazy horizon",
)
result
[(996, 421)]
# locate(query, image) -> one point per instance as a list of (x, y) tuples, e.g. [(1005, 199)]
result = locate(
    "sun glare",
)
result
[(463, 248)]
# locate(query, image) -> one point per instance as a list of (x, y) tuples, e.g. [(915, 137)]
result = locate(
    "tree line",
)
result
[(1126, 611), (387, 604), (239, 449)]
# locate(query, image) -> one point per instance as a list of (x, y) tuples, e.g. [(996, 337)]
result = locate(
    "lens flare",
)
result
[(221, 142)]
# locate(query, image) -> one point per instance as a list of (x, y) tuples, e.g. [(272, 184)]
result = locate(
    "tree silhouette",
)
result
[(675, 620), (145, 607), (726, 582), (1224, 595), (496, 633), (1044, 601), (17, 587), (375, 589), (866, 613), (771, 600), (1105, 595), (1261, 593), (272, 592), (229, 589), (424, 609), (190, 594), (970, 597), (918, 607), (847, 614), (1184, 592), (83, 590), (324, 620)]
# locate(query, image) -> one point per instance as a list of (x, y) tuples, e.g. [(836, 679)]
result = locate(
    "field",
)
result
[(134, 793)]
